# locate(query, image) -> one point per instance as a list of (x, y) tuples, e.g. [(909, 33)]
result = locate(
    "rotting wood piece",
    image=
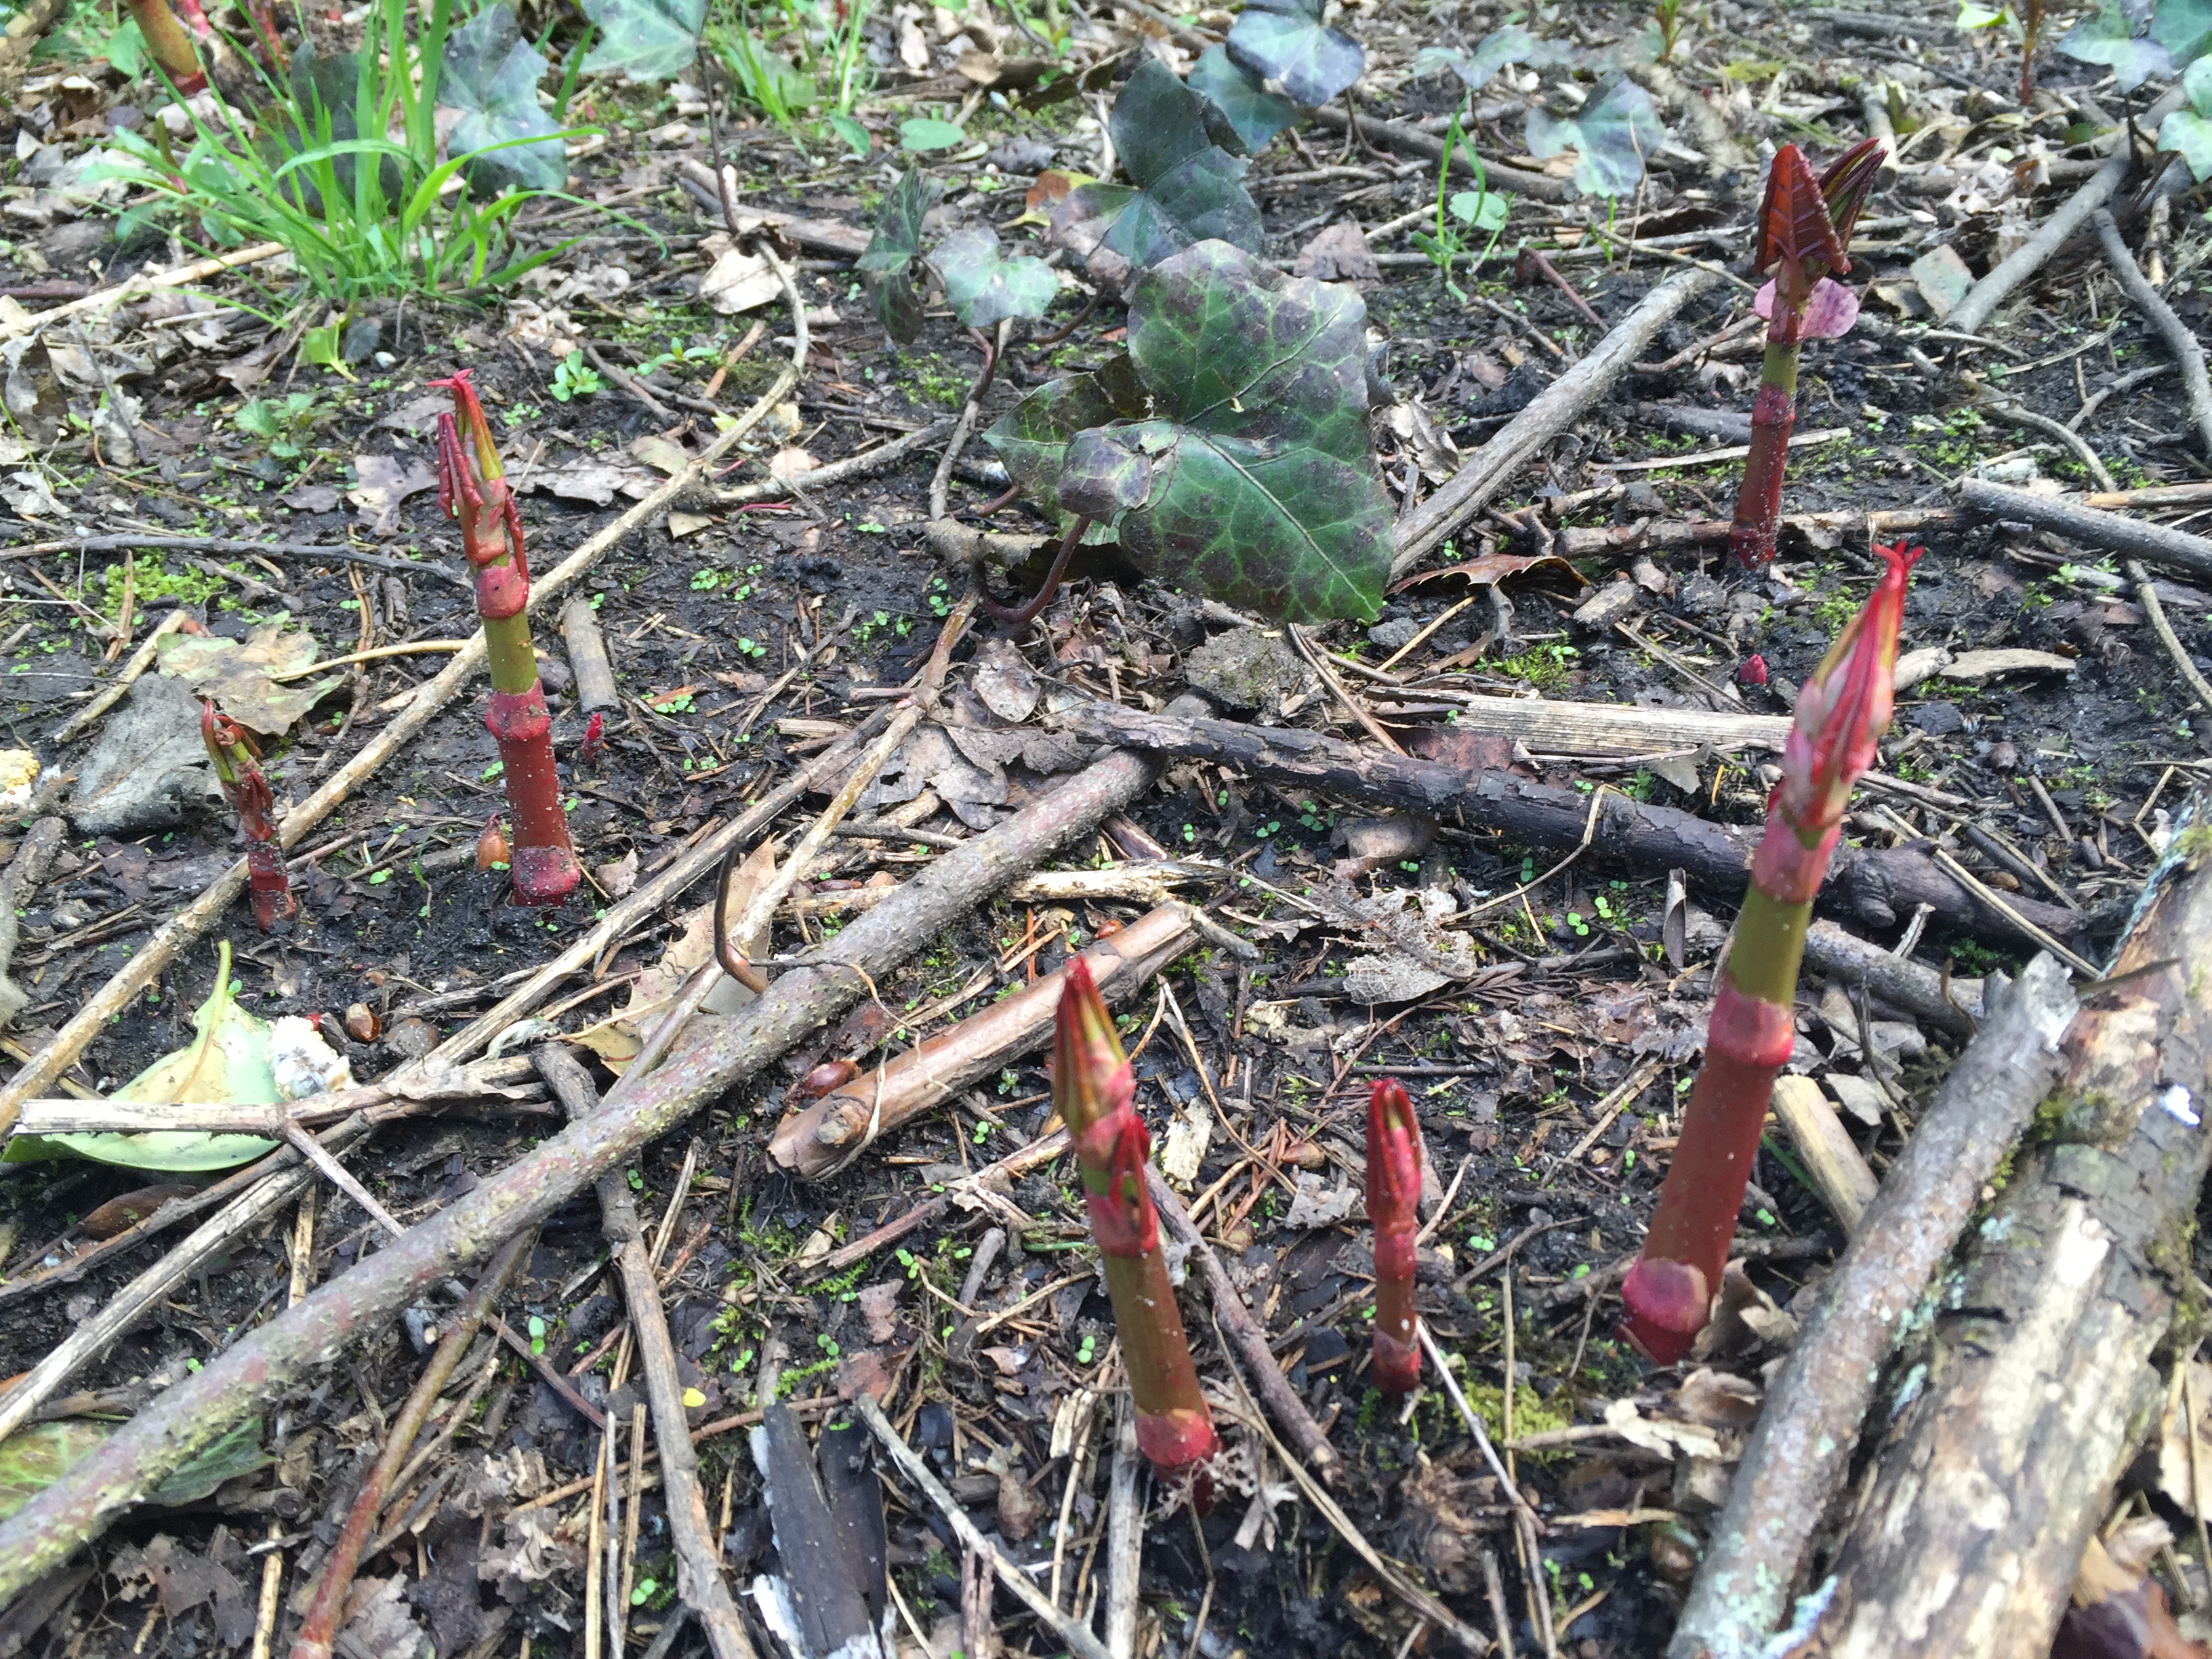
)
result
[(1875, 885), (1800, 1451), (2037, 1384), (2088, 526), (826, 1135), (264, 1363)]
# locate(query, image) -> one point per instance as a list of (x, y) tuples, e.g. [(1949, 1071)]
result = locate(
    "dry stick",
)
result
[(1408, 141), (2038, 1374), (1125, 1535), (2139, 538), (648, 899), (1801, 1448), (238, 544), (940, 485), (2146, 596), (587, 656), (1554, 409), (2023, 261), (1077, 1638), (1246, 1337), (141, 660), (2176, 333), (261, 1365), (198, 271), (39, 1075), (272, 1564), (26, 870), (1524, 1518), (865, 465), (319, 1626), (1876, 882)]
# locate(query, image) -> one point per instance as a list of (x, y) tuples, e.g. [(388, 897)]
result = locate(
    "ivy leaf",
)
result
[(1031, 438), (1511, 45), (645, 39), (491, 75), (1189, 188), (925, 132), (1253, 482), (1286, 40), (2183, 27), (985, 286), (1256, 113), (1610, 138), (887, 264), (2110, 38), (2187, 132)]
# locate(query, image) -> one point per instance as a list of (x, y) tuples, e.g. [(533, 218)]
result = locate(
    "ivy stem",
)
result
[(990, 364), (1090, 305), (1028, 613)]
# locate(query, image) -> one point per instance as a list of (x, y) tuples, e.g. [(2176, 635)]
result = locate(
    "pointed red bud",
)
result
[(1843, 709), (594, 743), (1794, 225), (1846, 185), (1752, 671), (471, 415), (1393, 1162)]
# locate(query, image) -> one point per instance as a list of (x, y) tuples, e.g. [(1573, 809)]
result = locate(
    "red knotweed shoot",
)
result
[(1094, 1090), (473, 488), (1394, 1196), (594, 748), (238, 771), (1752, 671), (1842, 709), (1804, 231), (170, 44)]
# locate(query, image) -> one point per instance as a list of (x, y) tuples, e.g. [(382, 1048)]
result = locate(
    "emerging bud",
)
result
[(1752, 671), (594, 745), (1843, 709), (1848, 182), (361, 1024), (1393, 1195), (829, 1075), (492, 850), (1091, 1081), (1794, 225), (238, 771)]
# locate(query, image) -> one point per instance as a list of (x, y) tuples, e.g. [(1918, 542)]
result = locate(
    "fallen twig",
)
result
[(2023, 261), (698, 1555), (319, 1629), (2179, 340), (198, 271), (265, 1362), (1246, 1338), (1803, 1446), (1875, 884), (587, 656), (2038, 1380), (2147, 597), (24, 874), (2138, 538), (238, 544), (1554, 409), (866, 464), (1407, 140), (151, 959), (826, 1135)]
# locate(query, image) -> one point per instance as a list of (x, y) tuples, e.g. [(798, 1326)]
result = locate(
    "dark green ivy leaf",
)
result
[(1286, 40), (2109, 38), (491, 75), (1256, 113), (888, 264), (1189, 188), (1511, 45), (984, 286), (1253, 482), (1031, 438)]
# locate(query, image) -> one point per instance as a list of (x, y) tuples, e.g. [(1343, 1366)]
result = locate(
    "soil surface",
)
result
[(744, 636)]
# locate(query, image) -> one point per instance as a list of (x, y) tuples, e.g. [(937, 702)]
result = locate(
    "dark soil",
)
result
[(1576, 991)]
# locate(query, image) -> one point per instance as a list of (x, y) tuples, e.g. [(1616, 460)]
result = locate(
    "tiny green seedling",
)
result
[(575, 378)]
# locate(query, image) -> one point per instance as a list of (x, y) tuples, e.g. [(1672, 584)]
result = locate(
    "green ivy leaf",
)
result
[(1256, 113), (1189, 188), (491, 76), (1254, 484), (2183, 27), (1511, 45), (645, 40), (1610, 138), (984, 286), (125, 49), (925, 132), (887, 264), (1483, 210), (2110, 38), (1286, 40), (1031, 438)]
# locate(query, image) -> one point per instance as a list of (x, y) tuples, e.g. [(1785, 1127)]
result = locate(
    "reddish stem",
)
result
[(1023, 616), (169, 46), (1530, 266), (238, 772), (1394, 1194)]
